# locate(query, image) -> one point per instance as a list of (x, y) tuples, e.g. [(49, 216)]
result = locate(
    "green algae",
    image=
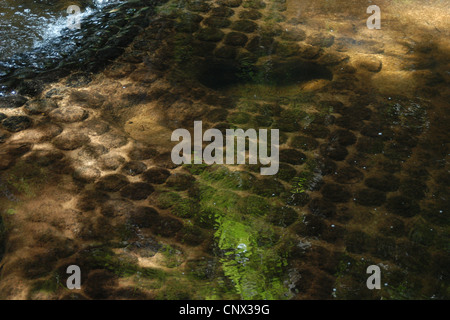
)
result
[(167, 199), (207, 217), (248, 73), (239, 118), (304, 180), (253, 205), (120, 264), (195, 169), (423, 233), (173, 257), (11, 211), (250, 255), (268, 187), (225, 178), (183, 51), (46, 287), (299, 185), (185, 208), (176, 289), (274, 17), (256, 272)]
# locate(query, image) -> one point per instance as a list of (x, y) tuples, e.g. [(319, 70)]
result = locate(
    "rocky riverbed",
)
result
[(86, 176)]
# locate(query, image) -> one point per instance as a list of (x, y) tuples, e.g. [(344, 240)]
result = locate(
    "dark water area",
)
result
[(35, 35), (87, 179)]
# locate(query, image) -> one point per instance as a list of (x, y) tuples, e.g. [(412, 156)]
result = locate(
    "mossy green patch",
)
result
[(262, 121), (172, 8), (173, 257), (274, 16), (25, 178), (11, 211), (191, 235), (268, 187), (176, 289), (253, 205), (104, 258), (185, 208), (239, 118), (202, 269), (168, 199), (120, 264), (215, 173), (254, 258), (124, 232), (302, 182), (256, 272), (237, 180), (207, 217), (288, 121), (287, 49), (195, 169), (206, 192), (224, 199), (46, 287)]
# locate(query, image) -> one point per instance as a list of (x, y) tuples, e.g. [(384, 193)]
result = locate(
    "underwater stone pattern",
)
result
[(351, 190)]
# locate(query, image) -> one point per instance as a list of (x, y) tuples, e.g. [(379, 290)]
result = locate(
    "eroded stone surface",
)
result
[(70, 140), (69, 114), (17, 123)]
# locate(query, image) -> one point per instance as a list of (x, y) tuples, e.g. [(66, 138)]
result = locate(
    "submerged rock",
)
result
[(268, 187), (251, 14), (70, 140), (370, 197), (246, 26), (137, 191), (292, 156), (3, 136), (86, 173), (133, 168), (156, 175), (144, 217), (12, 102), (180, 181), (333, 151), (348, 175), (17, 123), (210, 34), (222, 11), (166, 226), (386, 183), (403, 206), (37, 107), (111, 161), (343, 137), (322, 207), (112, 182), (282, 216), (335, 193), (230, 3), (69, 114), (304, 143), (236, 39)]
